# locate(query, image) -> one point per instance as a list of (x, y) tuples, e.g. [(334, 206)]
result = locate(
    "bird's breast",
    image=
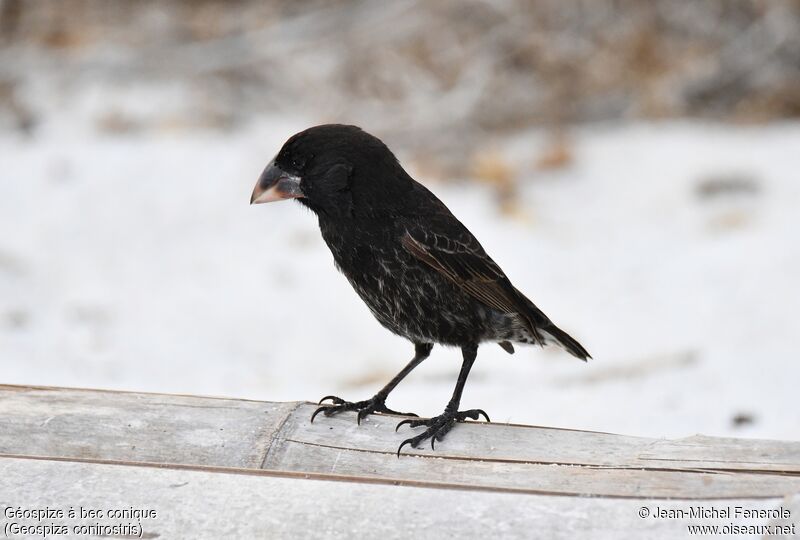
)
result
[(404, 294)]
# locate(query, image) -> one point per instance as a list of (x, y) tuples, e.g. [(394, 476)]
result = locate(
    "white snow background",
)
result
[(135, 262)]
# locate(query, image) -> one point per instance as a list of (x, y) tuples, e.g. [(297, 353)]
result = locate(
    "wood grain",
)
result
[(211, 505), (215, 435)]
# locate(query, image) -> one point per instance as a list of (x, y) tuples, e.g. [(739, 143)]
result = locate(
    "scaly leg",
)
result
[(376, 403), (438, 426)]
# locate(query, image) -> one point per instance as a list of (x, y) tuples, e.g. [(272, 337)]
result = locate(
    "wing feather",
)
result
[(466, 264)]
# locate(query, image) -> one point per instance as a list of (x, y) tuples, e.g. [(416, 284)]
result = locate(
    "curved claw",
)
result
[(406, 421), (481, 411), (438, 426), (363, 413), (319, 410), (402, 444), (334, 399)]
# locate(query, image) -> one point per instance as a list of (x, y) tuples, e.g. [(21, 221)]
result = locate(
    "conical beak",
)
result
[(274, 184)]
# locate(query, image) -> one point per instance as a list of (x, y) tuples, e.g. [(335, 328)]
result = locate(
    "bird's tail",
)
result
[(549, 332), (556, 336)]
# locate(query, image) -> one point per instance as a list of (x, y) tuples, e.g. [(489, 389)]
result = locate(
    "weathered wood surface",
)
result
[(202, 504), (261, 458)]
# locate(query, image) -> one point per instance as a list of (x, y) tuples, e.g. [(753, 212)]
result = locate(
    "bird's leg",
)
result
[(376, 403), (438, 426)]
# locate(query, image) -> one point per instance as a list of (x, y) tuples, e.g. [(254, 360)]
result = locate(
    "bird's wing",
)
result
[(457, 255)]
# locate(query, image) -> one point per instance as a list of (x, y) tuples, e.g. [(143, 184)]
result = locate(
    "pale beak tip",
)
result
[(275, 185), (257, 193)]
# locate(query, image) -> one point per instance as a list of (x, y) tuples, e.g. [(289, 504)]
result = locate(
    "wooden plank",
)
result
[(543, 460), (201, 504), (534, 478), (725, 453), (530, 444), (211, 432), (124, 426)]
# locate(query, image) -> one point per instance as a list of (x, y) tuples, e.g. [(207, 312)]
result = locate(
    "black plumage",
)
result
[(420, 271)]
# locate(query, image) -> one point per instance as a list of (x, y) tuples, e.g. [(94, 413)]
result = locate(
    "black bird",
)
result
[(420, 271)]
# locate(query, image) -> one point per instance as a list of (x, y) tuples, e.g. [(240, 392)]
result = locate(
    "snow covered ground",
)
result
[(669, 250)]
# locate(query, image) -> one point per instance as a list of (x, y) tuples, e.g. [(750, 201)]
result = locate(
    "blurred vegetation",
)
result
[(455, 72)]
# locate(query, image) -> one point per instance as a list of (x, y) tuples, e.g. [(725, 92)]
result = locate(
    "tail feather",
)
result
[(561, 338), (542, 327)]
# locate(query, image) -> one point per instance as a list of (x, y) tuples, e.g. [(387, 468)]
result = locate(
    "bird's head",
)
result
[(335, 170)]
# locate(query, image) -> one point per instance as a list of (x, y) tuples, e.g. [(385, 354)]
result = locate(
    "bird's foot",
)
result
[(376, 404), (438, 426)]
